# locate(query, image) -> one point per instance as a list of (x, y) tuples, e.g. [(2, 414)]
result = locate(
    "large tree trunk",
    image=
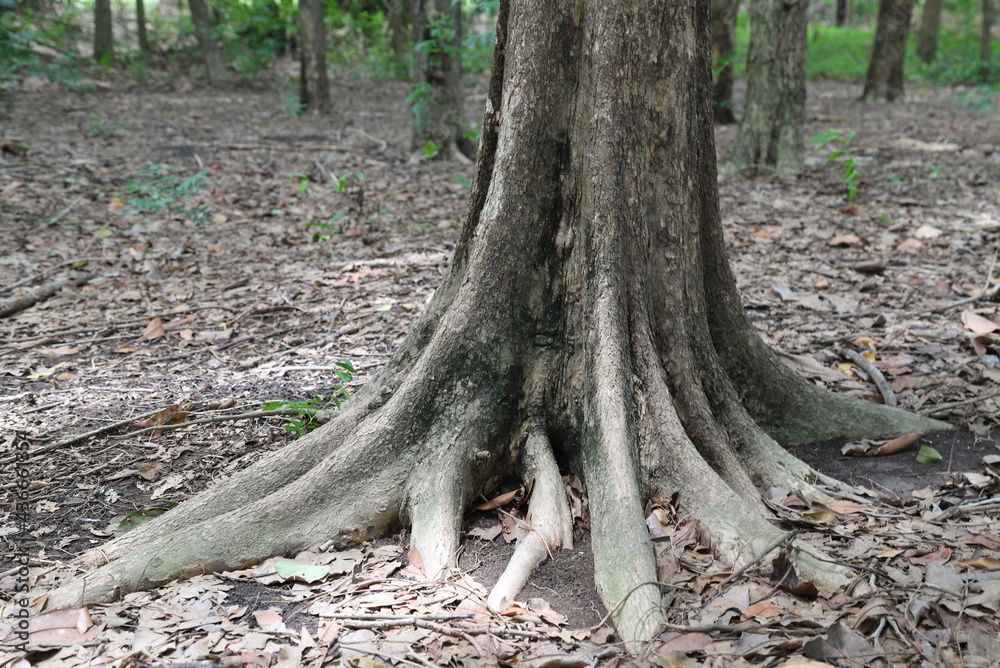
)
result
[(930, 27), (771, 131), (589, 318), (314, 88), (885, 70), (989, 20), (438, 93), (724, 14), (104, 43), (204, 30)]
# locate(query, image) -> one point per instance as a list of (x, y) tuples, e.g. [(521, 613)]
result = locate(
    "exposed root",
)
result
[(549, 516), (436, 525)]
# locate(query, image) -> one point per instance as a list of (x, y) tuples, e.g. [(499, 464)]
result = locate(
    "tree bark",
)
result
[(771, 131), (724, 14), (140, 21), (885, 70), (989, 20), (204, 30), (589, 319), (314, 86), (397, 32), (930, 27), (438, 94), (104, 44)]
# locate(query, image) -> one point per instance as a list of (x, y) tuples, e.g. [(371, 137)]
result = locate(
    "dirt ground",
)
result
[(222, 314)]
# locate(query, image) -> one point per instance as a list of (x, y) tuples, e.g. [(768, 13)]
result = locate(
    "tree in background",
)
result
[(930, 27), (589, 319), (104, 43), (724, 14), (140, 21), (314, 86), (771, 131), (845, 12), (438, 94), (397, 11), (885, 69), (989, 20), (204, 30)]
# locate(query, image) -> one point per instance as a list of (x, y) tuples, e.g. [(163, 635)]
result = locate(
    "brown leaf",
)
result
[(116, 205), (502, 500), (987, 563), (977, 323), (845, 240), (936, 557), (24, 345), (848, 507), (894, 446), (154, 330)]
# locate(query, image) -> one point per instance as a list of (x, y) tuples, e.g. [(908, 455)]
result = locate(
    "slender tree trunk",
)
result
[(771, 131), (315, 88), (104, 44), (989, 20), (724, 14), (885, 70), (140, 21), (841, 17), (204, 30), (438, 91), (397, 31), (589, 320), (930, 26)]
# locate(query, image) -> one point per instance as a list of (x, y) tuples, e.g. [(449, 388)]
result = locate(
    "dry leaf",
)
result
[(502, 500), (894, 446), (977, 323), (154, 330)]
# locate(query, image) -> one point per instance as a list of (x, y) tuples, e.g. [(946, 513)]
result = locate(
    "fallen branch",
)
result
[(941, 408), (963, 508), (320, 415), (985, 294), (41, 293), (888, 396), (760, 557)]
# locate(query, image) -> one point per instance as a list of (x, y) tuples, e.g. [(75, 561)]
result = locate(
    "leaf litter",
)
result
[(177, 319)]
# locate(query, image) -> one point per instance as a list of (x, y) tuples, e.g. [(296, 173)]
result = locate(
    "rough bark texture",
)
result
[(724, 14), (885, 70), (573, 329), (103, 39), (930, 26), (438, 93), (989, 20), (314, 86), (140, 20), (771, 131), (204, 30)]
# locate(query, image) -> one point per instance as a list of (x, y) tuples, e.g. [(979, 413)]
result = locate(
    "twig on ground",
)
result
[(888, 396), (760, 557), (941, 408), (320, 415), (985, 294), (41, 293), (963, 508)]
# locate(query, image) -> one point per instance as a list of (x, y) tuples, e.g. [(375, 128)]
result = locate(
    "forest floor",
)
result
[(156, 318)]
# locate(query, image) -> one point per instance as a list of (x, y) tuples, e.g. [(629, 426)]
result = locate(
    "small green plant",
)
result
[(291, 104), (334, 227), (164, 192), (431, 149), (306, 410), (420, 99), (851, 174), (98, 128), (303, 182), (935, 170)]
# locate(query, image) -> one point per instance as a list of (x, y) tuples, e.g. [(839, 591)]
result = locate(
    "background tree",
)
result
[(204, 30), (140, 22), (930, 27), (314, 86), (397, 11), (724, 13), (438, 94), (104, 44), (771, 130), (989, 20), (884, 80), (845, 12), (589, 318)]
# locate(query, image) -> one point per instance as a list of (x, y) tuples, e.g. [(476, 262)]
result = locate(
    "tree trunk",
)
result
[(589, 319), (397, 31), (140, 20), (771, 131), (314, 86), (104, 44), (438, 94), (989, 20), (930, 26), (204, 30), (724, 14), (843, 10), (885, 70)]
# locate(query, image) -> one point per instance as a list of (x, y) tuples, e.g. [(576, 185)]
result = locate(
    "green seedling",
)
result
[(851, 175), (935, 170), (164, 192), (305, 421)]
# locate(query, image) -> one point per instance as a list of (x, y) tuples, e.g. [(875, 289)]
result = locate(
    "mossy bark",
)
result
[(589, 320), (770, 137)]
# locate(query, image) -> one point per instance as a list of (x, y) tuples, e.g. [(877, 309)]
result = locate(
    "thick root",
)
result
[(549, 517)]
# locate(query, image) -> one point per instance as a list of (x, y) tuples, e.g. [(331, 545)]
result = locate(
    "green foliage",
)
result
[(348, 185), (306, 421), (420, 99), (98, 128), (164, 192), (928, 455), (935, 170), (851, 174), (980, 101), (431, 149)]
